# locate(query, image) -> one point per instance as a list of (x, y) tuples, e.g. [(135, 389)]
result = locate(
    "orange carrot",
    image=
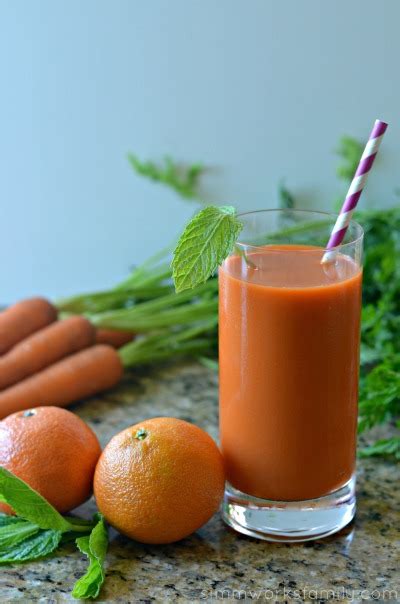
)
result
[(22, 319), (114, 337), (45, 347), (78, 376)]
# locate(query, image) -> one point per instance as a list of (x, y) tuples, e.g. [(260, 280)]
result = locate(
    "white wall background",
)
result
[(258, 89)]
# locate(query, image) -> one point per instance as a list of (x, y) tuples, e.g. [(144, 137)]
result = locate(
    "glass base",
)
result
[(291, 521)]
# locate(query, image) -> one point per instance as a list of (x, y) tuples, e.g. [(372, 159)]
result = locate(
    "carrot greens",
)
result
[(181, 178)]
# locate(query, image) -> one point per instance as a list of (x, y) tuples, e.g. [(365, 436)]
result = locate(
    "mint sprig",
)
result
[(94, 547), (13, 530), (24, 541), (29, 504), (38, 530), (204, 244)]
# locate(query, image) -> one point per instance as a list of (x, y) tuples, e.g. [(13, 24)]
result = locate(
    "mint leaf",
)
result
[(38, 528), (13, 530), (29, 504), (87, 585), (6, 519), (203, 246), (41, 544), (94, 547)]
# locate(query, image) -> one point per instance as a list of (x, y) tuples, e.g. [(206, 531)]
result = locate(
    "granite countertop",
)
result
[(361, 562)]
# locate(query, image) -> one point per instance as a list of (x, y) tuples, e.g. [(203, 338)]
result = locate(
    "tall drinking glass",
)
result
[(289, 359)]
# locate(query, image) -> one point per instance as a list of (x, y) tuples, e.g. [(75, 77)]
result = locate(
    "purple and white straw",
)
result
[(356, 187)]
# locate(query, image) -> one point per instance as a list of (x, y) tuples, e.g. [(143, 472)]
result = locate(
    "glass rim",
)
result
[(355, 241)]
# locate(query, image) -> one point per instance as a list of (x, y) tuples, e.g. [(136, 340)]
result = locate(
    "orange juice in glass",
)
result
[(289, 357)]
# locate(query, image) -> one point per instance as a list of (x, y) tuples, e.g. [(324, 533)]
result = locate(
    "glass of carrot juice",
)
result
[(289, 357)]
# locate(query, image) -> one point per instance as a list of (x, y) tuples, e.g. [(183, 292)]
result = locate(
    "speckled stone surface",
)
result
[(362, 563)]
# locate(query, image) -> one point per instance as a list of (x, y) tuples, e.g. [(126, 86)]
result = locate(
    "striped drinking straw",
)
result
[(356, 188)]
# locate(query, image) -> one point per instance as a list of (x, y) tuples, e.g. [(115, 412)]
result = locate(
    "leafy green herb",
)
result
[(379, 396), (209, 363), (183, 180), (387, 447), (31, 506), (203, 245), (94, 547), (349, 151), (21, 542), (28, 504), (14, 529), (38, 528), (286, 199)]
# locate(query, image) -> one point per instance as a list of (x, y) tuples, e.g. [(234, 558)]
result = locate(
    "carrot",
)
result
[(78, 376), (114, 337), (22, 319), (45, 347)]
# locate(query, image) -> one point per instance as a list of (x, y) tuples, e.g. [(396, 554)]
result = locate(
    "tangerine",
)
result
[(53, 451), (160, 480)]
